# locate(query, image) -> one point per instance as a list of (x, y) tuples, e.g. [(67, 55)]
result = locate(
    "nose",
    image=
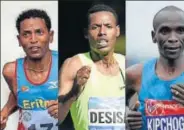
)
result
[(173, 38), (33, 38), (102, 31)]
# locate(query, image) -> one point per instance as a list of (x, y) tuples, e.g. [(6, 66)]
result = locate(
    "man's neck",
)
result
[(107, 60), (171, 66), (39, 64)]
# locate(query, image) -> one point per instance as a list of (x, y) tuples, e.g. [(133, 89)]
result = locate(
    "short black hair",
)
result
[(99, 8), (33, 13)]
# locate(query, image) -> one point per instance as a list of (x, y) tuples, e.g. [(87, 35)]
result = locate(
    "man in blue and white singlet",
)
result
[(160, 81), (33, 80)]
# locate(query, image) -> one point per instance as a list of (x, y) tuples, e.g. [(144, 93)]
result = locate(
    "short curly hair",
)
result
[(101, 7), (33, 13)]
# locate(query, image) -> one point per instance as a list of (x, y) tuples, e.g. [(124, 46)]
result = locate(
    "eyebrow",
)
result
[(164, 26), (96, 24), (27, 30), (39, 29)]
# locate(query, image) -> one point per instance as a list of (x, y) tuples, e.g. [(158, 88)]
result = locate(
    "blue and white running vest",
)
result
[(32, 98), (152, 87)]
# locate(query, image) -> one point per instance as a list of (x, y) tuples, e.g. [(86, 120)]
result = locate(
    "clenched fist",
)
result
[(134, 118), (53, 108), (82, 75), (81, 78), (178, 93), (4, 118)]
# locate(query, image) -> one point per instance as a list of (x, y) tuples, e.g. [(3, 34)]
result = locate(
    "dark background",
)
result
[(72, 21)]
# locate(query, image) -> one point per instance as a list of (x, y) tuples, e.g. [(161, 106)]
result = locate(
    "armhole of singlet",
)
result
[(121, 61), (81, 58), (16, 82), (85, 58), (144, 69), (142, 78)]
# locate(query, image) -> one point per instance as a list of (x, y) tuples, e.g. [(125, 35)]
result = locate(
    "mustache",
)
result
[(165, 44), (102, 39), (33, 46)]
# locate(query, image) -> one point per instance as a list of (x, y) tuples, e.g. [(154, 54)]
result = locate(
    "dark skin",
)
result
[(11, 105), (101, 33), (169, 36), (34, 38)]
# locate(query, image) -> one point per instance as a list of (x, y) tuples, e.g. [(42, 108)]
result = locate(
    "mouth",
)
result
[(34, 48), (172, 49), (102, 43)]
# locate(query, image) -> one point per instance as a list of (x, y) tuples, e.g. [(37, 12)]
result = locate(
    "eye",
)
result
[(180, 30), (39, 32), (164, 30), (109, 26), (25, 34), (94, 27)]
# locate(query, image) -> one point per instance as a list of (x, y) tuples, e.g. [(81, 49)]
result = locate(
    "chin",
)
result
[(173, 57), (36, 57), (104, 51)]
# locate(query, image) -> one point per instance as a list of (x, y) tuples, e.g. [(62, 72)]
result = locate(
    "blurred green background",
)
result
[(73, 20), (120, 45)]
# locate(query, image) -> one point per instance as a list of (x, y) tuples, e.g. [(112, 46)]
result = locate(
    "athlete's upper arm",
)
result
[(9, 74), (67, 74), (133, 77), (66, 80)]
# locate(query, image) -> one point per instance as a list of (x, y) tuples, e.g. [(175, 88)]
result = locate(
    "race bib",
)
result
[(36, 120), (164, 115), (106, 113)]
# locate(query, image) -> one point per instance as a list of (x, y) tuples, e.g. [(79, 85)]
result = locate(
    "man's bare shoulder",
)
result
[(134, 71), (133, 77), (71, 66), (9, 70), (72, 62)]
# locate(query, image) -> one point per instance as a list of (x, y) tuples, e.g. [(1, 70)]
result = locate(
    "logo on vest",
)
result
[(24, 88), (164, 115), (154, 108), (53, 84), (26, 116), (38, 103)]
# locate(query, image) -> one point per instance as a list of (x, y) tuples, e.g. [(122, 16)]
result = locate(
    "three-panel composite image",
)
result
[(92, 65)]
